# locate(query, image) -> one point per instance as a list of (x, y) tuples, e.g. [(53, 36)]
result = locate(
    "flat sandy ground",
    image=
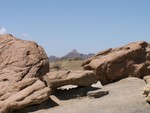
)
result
[(125, 96)]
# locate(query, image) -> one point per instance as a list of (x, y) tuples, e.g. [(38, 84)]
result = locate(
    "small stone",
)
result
[(97, 93)]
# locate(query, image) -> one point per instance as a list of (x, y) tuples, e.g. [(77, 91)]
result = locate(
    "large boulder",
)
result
[(114, 64), (23, 67), (80, 78)]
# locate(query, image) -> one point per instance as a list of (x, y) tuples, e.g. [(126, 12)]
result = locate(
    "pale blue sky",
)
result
[(86, 25)]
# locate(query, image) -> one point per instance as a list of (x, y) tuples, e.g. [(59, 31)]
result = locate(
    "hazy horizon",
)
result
[(88, 26)]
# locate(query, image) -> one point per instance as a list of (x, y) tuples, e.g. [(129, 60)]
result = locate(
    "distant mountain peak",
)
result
[(74, 51), (53, 58), (71, 55), (75, 54)]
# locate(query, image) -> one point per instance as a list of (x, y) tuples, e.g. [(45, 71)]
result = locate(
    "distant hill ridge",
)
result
[(71, 55)]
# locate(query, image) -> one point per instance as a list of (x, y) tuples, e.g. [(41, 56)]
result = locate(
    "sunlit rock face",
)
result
[(23, 67), (114, 64)]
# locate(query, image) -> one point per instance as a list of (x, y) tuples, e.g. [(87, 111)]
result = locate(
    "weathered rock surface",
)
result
[(114, 64), (23, 66), (147, 88), (147, 79), (80, 78)]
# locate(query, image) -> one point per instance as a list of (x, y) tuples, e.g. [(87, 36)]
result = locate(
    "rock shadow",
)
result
[(45, 105), (73, 93)]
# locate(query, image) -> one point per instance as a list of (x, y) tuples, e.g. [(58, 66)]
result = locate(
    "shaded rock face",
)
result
[(80, 78), (23, 66), (114, 64)]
